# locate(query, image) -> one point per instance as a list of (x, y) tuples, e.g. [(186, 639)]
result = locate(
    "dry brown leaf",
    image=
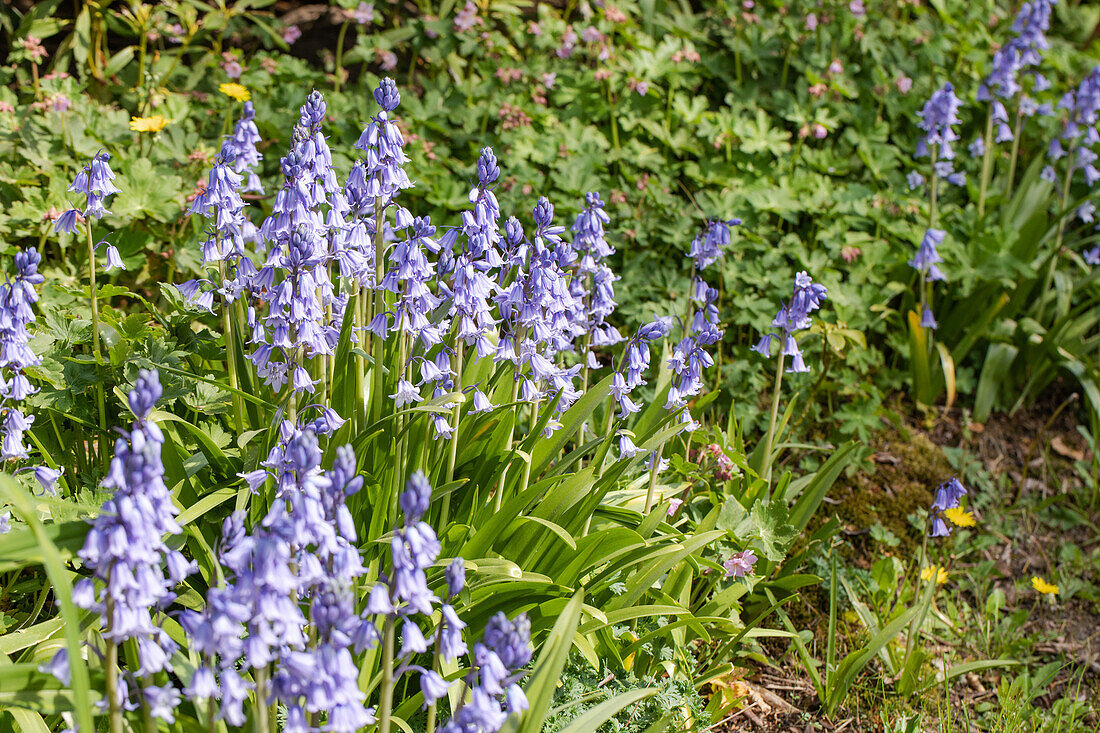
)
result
[(1062, 449)]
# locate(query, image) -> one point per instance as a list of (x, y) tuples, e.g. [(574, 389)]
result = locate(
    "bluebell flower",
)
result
[(914, 179), (927, 257), (134, 570), (947, 497), (634, 364), (707, 246), (1079, 131), (591, 283), (383, 145), (239, 149), (303, 550), (96, 182), (456, 576), (793, 317), (410, 278), (17, 301), (627, 449), (1092, 256), (59, 667), (938, 118)]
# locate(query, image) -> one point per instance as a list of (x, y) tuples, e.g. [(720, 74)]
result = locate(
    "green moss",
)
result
[(899, 480)]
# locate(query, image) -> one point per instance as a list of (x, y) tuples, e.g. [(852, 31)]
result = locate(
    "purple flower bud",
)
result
[(386, 95), (416, 497), (456, 576)]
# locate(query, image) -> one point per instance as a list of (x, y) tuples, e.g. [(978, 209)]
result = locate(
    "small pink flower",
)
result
[(850, 253), (291, 34), (618, 197), (591, 34), (818, 90), (819, 131), (387, 60), (60, 103), (467, 18), (549, 78), (904, 84), (836, 67), (52, 214), (602, 74), (534, 29), (811, 22), (34, 48), (269, 64), (364, 14), (614, 15), (175, 33), (856, 8), (6, 108), (673, 505), (233, 69), (739, 564)]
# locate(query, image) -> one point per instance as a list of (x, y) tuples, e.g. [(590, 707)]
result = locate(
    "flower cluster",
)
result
[(239, 149), (134, 570), (405, 599), (938, 117), (592, 282), (926, 263), (17, 299), (1079, 131), (707, 247), (795, 316), (302, 553), (1024, 49), (96, 182), (947, 497)]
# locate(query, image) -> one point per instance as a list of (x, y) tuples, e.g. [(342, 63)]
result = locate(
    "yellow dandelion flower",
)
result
[(960, 517), (941, 574), (1043, 587), (235, 91), (156, 123)]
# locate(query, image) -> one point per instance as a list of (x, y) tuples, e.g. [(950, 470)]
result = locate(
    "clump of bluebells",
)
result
[(524, 305), (134, 571), (792, 317)]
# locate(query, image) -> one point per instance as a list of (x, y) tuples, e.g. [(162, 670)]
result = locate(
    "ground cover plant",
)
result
[(495, 366)]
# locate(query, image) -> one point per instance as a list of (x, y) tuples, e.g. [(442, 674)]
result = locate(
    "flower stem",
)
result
[(433, 707), (1049, 277), (766, 468), (261, 718), (360, 331), (1015, 154), (378, 344), (231, 355), (452, 448), (338, 70), (652, 480), (93, 292), (385, 703), (111, 664), (987, 162)]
